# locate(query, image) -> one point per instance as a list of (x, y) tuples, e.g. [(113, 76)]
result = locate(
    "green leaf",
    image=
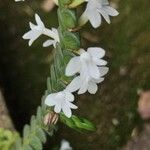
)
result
[(63, 3), (49, 87), (18, 144), (76, 3), (67, 18), (39, 115), (36, 143), (33, 123), (27, 147), (53, 77), (80, 124), (71, 41), (26, 131), (41, 135)]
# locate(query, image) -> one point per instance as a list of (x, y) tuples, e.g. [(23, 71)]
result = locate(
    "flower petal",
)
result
[(105, 15), (74, 85), (105, 2), (48, 43), (32, 35), (92, 87), (94, 18), (69, 96), (28, 35), (38, 20), (72, 106), (83, 19), (67, 110), (83, 88), (93, 71), (57, 108), (73, 66), (32, 26), (50, 100), (111, 11), (96, 52), (100, 62), (99, 80), (103, 71)]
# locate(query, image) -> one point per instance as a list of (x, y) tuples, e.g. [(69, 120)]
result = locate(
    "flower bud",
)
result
[(51, 118), (76, 3)]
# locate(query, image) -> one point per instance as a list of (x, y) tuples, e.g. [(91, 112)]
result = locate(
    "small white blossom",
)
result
[(62, 101), (91, 68), (55, 36), (65, 145), (95, 9), (87, 84), (39, 29)]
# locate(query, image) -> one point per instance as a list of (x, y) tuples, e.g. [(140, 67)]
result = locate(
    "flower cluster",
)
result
[(88, 68)]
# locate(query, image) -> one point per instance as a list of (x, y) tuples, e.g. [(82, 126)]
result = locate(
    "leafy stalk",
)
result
[(34, 134)]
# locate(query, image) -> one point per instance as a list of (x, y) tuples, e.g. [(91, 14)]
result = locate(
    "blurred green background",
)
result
[(23, 71)]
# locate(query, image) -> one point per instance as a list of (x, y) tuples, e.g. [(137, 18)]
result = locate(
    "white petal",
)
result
[(83, 88), (92, 88), (48, 43), (65, 145), (32, 26), (94, 17), (105, 15), (38, 20), (74, 85), (93, 71), (105, 2), (67, 110), (57, 108), (72, 106), (111, 11), (96, 52), (98, 80), (73, 66), (100, 62), (81, 51), (31, 35), (103, 71), (69, 96), (83, 19), (28, 35), (31, 42), (50, 100)]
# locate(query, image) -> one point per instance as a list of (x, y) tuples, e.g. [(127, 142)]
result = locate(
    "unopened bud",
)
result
[(51, 118)]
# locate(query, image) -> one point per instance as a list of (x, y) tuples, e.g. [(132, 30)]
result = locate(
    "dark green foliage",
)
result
[(67, 18), (71, 41), (79, 124), (34, 134), (7, 139)]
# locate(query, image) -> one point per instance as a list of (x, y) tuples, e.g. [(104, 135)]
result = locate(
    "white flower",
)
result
[(91, 68), (39, 29), (94, 10), (62, 101), (65, 145), (88, 84), (55, 35)]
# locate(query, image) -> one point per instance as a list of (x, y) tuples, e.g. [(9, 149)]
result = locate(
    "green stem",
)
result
[(34, 135)]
